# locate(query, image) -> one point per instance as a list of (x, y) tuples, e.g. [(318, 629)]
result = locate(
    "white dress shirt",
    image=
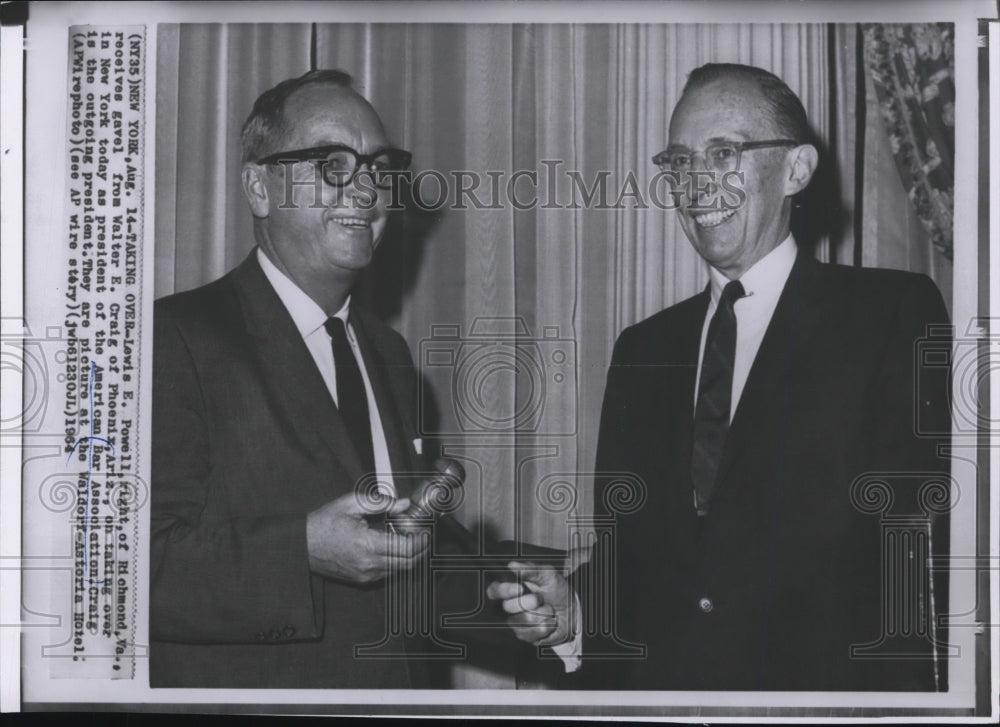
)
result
[(309, 319), (763, 284)]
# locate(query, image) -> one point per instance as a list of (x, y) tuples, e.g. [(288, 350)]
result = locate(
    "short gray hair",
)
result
[(265, 124)]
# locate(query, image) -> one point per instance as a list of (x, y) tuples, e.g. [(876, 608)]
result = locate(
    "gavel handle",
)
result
[(447, 524)]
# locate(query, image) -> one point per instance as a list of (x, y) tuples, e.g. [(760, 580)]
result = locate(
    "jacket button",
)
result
[(289, 632), (705, 604)]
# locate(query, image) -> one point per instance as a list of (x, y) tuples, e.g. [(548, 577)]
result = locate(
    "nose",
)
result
[(702, 186), (704, 160), (360, 191)]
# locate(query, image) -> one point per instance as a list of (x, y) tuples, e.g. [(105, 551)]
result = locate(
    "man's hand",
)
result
[(538, 602), (343, 545)]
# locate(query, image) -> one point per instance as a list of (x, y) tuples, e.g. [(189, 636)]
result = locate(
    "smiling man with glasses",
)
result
[(765, 419), (274, 397)]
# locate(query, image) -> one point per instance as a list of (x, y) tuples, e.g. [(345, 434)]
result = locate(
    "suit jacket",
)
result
[(771, 590), (246, 442)]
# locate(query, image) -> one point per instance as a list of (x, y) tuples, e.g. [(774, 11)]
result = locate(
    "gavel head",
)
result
[(437, 493), (450, 472)]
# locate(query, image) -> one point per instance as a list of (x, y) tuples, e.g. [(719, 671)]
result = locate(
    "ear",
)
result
[(255, 190), (802, 161)]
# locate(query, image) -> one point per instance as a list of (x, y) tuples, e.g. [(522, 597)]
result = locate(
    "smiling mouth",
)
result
[(712, 219), (353, 223)]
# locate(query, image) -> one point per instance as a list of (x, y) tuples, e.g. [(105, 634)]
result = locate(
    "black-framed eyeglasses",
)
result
[(720, 156), (340, 164)]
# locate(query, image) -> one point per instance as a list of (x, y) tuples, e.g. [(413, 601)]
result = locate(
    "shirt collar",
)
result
[(766, 276), (306, 314)]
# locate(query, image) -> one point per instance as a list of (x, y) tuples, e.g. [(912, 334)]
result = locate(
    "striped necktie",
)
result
[(715, 387)]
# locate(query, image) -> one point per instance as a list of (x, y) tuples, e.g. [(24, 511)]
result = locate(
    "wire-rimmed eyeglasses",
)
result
[(720, 156)]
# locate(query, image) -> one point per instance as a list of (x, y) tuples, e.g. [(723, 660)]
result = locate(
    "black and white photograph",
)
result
[(503, 360)]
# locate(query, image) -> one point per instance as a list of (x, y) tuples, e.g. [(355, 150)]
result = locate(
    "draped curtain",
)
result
[(912, 68), (562, 280), (881, 226)]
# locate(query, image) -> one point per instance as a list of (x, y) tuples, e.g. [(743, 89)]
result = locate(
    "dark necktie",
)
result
[(352, 399), (715, 386)]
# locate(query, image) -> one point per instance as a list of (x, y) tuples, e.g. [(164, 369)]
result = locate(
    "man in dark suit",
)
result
[(770, 422), (273, 397)]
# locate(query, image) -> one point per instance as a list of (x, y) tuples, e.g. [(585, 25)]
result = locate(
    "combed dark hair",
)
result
[(786, 111), (266, 120)]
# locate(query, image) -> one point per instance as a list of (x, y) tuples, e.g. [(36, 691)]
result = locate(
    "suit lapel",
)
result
[(681, 419), (796, 318), (299, 393), (680, 425), (655, 392)]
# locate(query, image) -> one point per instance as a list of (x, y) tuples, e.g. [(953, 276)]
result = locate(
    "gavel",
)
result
[(448, 475)]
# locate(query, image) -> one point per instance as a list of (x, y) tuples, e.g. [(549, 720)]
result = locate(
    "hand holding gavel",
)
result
[(435, 490)]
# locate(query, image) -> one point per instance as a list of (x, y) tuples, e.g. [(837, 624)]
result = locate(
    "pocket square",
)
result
[(418, 445)]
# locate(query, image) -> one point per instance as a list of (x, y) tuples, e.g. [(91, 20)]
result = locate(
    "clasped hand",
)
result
[(344, 545), (538, 604)]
